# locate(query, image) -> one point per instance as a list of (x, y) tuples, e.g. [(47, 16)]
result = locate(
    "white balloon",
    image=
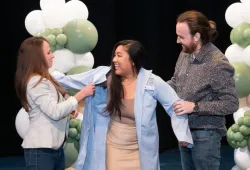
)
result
[(86, 59), (34, 22), (233, 14), (240, 113), (243, 1), (54, 16), (46, 3), (234, 53), (246, 55), (22, 122), (246, 12), (242, 158), (64, 60), (76, 10), (235, 167)]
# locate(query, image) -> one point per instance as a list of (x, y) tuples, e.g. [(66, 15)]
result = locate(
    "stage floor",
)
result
[(169, 160)]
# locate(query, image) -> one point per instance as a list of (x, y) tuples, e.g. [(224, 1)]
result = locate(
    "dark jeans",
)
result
[(205, 154), (44, 159)]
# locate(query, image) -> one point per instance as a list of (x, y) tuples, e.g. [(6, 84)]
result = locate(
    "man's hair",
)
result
[(198, 23)]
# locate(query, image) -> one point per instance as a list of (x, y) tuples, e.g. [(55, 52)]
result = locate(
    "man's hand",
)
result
[(183, 144), (183, 107)]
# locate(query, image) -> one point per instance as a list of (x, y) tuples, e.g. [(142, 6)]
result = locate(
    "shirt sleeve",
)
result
[(225, 100), (166, 95), (41, 96), (172, 81)]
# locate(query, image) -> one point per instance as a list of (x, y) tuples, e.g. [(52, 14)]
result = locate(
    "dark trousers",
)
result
[(44, 159), (205, 154)]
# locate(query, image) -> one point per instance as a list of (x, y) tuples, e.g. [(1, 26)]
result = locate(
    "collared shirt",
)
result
[(208, 80)]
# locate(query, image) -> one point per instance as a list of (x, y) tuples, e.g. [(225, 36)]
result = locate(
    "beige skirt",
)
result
[(122, 152)]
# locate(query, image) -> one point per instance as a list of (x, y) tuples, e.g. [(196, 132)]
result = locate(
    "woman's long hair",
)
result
[(31, 61), (137, 55)]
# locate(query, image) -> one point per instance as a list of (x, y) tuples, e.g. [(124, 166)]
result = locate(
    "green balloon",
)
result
[(244, 130), (78, 70), (79, 127), (248, 144), (246, 33), (72, 132), (70, 140), (78, 136), (238, 35), (246, 121), (59, 47), (235, 128), (73, 123), (230, 134), (238, 137), (240, 121), (247, 113), (232, 36), (57, 31), (44, 33), (242, 144), (52, 48), (82, 36), (77, 145), (72, 92), (51, 39), (61, 39), (70, 153), (242, 78)]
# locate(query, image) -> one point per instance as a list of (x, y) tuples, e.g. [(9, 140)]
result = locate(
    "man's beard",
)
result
[(189, 49)]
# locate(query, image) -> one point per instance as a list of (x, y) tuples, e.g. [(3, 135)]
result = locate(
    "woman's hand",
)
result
[(86, 91)]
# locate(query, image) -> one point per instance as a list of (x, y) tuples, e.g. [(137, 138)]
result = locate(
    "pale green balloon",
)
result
[(238, 34), (61, 39), (52, 48), (246, 33), (82, 36), (242, 78), (51, 39), (70, 152), (59, 47), (78, 69), (44, 33), (57, 31), (232, 36), (72, 92)]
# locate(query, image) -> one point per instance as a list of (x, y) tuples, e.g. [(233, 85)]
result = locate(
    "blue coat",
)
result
[(149, 89)]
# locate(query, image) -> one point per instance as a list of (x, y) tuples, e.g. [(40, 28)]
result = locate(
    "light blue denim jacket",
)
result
[(149, 89)]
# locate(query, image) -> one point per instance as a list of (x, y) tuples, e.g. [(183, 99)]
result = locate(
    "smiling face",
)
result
[(48, 54), (122, 63), (185, 38)]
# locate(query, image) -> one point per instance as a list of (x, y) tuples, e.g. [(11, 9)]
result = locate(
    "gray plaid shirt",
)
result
[(207, 79)]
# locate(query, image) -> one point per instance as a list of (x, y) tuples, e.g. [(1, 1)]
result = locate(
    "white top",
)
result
[(48, 117)]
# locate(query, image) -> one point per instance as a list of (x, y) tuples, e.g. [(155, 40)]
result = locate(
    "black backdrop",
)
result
[(151, 22)]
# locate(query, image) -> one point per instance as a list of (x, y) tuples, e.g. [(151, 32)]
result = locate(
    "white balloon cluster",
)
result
[(55, 14), (238, 13)]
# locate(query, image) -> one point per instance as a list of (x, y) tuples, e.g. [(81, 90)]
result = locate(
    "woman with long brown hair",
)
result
[(42, 97)]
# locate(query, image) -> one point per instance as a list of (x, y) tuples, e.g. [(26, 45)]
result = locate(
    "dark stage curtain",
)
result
[(151, 22)]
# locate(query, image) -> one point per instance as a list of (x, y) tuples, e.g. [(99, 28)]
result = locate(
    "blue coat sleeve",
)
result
[(166, 95), (78, 81)]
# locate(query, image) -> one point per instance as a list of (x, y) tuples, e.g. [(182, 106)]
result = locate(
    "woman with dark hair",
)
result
[(123, 134), (42, 97)]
